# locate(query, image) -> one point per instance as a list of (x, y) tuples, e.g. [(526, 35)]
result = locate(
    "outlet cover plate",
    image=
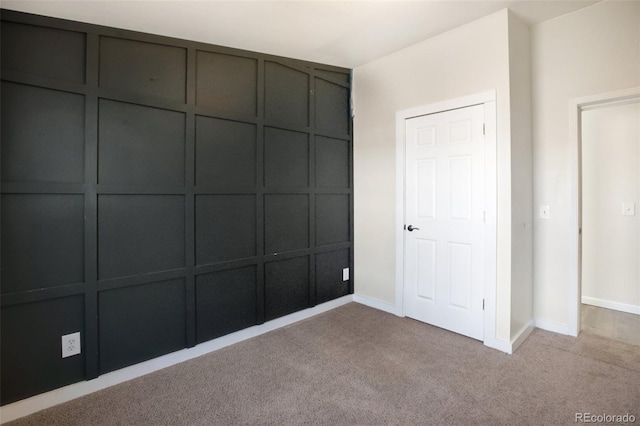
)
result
[(345, 274), (71, 344)]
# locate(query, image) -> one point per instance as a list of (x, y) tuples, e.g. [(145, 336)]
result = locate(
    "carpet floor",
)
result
[(356, 365)]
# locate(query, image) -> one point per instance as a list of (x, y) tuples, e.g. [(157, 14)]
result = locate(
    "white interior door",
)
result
[(444, 215)]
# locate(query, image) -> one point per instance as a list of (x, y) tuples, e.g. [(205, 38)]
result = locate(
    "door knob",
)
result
[(411, 228)]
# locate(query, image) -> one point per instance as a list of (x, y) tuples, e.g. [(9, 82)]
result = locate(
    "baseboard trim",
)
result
[(375, 303), (498, 344), (509, 347), (608, 304), (45, 400), (553, 326), (522, 335)]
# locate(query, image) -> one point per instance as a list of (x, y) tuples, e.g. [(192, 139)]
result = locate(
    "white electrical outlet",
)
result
[(70, 344), (345, 274)]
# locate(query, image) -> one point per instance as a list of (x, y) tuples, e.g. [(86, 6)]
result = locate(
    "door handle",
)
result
[(411, 228)]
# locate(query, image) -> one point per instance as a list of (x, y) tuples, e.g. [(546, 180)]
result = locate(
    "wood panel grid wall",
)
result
[(158, 193)]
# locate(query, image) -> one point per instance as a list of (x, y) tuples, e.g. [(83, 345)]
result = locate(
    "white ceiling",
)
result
[(343, 33)]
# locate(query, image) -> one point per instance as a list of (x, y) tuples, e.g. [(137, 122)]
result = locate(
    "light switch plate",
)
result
[(628, 209), (545, 212), (345, 274)]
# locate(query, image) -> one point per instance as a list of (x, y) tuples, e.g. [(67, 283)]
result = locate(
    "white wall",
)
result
[(610, 177), (521, 176), (593, 50), (471, 59)]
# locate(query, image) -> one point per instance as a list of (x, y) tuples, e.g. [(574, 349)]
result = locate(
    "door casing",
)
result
[(489, 100)]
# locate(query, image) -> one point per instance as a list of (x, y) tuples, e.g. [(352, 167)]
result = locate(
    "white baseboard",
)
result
[(499, 344), (375, 303), (510, 347), (553, 326), (522, 335), (616, 306), (36, 403)]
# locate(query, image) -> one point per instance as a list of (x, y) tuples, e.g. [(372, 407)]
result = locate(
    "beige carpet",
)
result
[(621, 326), (357, 365)]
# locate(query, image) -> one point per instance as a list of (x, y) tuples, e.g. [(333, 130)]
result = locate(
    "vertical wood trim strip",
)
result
[(312, 189), (189, 199), (260, 290), (351, 193), (91, 332)]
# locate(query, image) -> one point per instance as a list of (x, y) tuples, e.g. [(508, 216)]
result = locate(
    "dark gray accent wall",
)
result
[(158, 193)]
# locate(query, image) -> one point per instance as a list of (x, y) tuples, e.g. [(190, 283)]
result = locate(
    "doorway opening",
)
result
[(605, 231)]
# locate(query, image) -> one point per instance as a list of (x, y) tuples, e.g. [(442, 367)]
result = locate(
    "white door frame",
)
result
[(487, 98), (576, 106)]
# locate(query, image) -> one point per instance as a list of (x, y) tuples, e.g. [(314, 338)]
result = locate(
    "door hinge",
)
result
[(483, 129), (483, 304)]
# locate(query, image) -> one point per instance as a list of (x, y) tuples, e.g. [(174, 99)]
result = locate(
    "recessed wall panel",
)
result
[(225, 152), (286, 222), (286, 93), (332, 162), (329, 283), (332, 218), (138, 234), (426, 136), (31, 348), (460, 187), (286, 287), (42, 51), (225, 227), (42, 134), (332, 107), (226, 301), (140, 322), (286, 158), (460, 279), (426, 175), (42, 241), (142, 68), (139, 145), (426, 264), (459, 131), (227, 83)]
